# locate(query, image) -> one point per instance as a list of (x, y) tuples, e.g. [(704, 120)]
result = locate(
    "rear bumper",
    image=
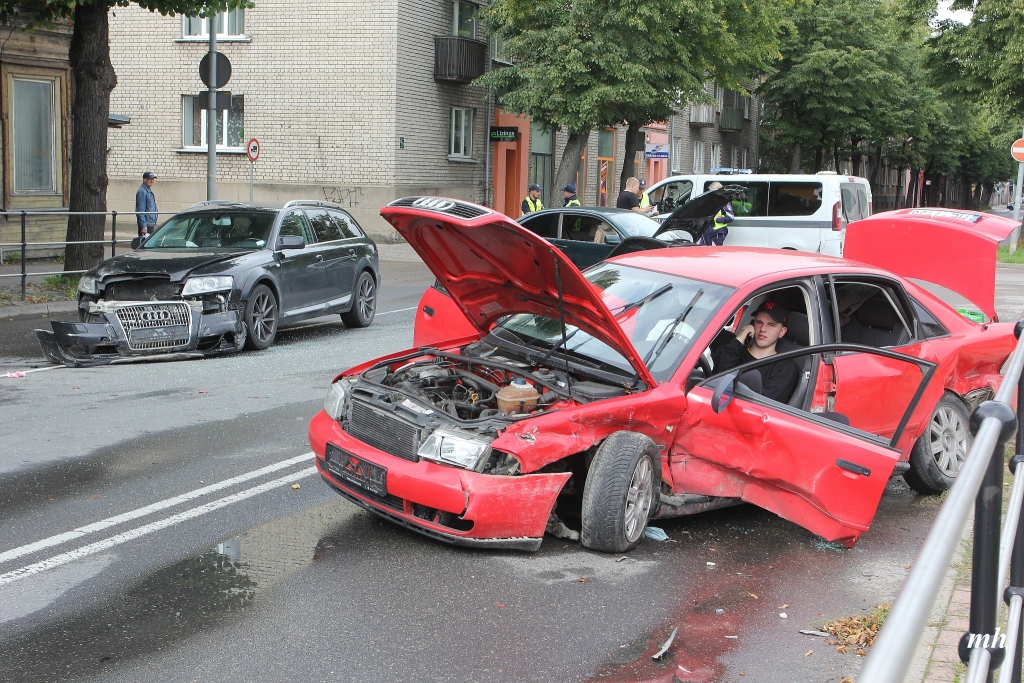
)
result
[(489, 511)]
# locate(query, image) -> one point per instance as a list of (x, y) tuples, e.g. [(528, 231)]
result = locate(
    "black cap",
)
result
[(535, 186), (778, 312), (148, 175), (570, 188)]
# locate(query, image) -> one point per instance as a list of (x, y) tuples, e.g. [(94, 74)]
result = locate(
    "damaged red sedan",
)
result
[(591, 401)]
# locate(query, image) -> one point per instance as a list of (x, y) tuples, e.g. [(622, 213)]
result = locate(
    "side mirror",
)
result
[(290, 242), (612, 239), (724, 392)]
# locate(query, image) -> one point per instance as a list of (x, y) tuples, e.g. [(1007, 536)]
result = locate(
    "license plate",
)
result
[(154, 334), (364, 474)]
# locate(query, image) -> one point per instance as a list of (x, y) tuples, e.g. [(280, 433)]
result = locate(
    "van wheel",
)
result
[(939, 454), (621, 492)]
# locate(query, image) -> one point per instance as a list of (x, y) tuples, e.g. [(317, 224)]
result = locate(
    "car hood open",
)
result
[(493, 267), (176, 264), (953, 248), (693, 216)]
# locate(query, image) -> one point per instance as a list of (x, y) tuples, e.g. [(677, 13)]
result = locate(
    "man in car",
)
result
[(756, 341)]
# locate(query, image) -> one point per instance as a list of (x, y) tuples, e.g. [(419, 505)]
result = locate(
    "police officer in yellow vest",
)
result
[(715, 234), (569, 195), (532, 202), (645, 200)]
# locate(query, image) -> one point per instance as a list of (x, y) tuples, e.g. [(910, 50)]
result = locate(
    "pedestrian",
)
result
[(532, 203), (569, 195), (715, 234), (145, 205), (629, 198)]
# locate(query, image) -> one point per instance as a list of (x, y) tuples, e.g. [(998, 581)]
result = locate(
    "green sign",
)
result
[(504, 134)]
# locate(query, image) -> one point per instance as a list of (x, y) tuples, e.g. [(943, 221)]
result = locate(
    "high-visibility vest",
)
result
[(645, 201), (573, 202), (719, 224), (535, 205)]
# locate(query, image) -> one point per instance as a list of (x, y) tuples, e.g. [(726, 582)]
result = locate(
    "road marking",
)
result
[(147, 510), (107, 543), (399, 310)]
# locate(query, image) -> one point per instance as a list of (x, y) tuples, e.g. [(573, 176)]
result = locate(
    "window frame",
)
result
[(894, 294), (456, 4), (204, 31), (187, 123), (698, 156), (466, 151), (61, 107)]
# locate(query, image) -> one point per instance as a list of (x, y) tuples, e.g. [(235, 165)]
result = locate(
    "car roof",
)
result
[(250, 206), (735, 266)]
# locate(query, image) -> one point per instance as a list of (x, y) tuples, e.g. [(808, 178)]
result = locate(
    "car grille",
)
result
[(452, 207), (178, 317), (142, 289), (385, 432)]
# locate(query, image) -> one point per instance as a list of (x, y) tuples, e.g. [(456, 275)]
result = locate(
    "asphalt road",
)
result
[(152, 530)]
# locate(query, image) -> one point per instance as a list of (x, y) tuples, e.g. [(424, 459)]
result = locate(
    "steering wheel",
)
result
[(704, 364)]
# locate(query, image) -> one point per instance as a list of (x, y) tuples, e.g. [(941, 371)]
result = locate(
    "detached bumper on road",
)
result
[(136, 331), (445, 503)]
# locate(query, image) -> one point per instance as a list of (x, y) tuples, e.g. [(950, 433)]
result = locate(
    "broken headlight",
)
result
[(453, 448), (336, 401), (205, 285), (87, 285)]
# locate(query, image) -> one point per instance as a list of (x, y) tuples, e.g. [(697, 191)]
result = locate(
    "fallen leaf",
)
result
[(808, 653), (743, 673), (783, 606), (295, 486), (53, 499), (908, 565), (76, 387), (96, 495), (582, 580), (843, 649), (860, 651), (752, 595), (848, 679)]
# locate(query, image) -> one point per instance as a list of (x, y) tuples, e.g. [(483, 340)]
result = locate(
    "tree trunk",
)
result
[(94, 79), (634, 144), (569, 164), (818, 154), (794, 161)]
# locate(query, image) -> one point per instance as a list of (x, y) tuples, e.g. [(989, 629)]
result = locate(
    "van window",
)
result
[(855, 202), (545, 225), (673, 194), (863, 202), (755, 203), (794, 199)]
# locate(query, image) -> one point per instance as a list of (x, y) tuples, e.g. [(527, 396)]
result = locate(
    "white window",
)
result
[(744, 153), (734, 158), (230, 124), (719, 94), (716, 156), (746, 107), (462, 133), (464, 19), (677, 154), (698, 156), (230, 24), (35, 126)]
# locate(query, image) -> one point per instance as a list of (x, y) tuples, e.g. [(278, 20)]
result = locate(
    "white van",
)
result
[(802, 212)]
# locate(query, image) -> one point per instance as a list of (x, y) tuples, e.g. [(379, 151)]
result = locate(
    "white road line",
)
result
[(398, 310), (147, 510), (107, 543)]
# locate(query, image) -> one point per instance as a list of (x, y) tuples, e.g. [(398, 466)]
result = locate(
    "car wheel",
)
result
[(364, 308), (940, 452), (621, 492), (260, 318)]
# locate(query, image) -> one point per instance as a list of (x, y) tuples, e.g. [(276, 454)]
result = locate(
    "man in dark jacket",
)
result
[(778, 380), (145, 205)]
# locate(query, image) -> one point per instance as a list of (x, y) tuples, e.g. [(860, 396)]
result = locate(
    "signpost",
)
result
[(215, 71), (1017, 152), (252, 150)]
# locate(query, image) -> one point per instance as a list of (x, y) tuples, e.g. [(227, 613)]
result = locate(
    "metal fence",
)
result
[(24, 245), (998, 551)]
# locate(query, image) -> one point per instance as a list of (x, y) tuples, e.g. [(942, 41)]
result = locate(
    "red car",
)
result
[(591, 401)]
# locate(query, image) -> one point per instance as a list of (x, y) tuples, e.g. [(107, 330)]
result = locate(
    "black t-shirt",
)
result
[(778, 380), (627, 200)]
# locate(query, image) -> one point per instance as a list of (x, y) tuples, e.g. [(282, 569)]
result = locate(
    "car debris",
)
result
[(664, 648), (655, 533), (812, 632), (558, 529)]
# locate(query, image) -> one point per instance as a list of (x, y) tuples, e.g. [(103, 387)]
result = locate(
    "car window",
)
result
[(636, 225), (927, 325), (584, 228), (232, 230), (794, 199), (348, 226), (294, 223), (544, 225), (754, 202), (672, 194), (869, 315), (325, 229)]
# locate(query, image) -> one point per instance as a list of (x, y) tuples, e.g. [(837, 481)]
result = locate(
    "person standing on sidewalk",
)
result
[(715, 234), (145, 205), (629, 198), (532, 203), (569, 195), (645, 200)]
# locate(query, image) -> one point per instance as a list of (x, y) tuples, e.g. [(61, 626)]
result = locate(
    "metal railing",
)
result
[(24, 244), (998, 550)]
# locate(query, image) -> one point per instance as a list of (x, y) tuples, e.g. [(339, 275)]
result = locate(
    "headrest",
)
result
[(877, 312), (797, 329)]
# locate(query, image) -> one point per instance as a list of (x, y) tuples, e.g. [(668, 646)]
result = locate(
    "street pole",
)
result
[(252, 164), (211, 113), (1016, 205)]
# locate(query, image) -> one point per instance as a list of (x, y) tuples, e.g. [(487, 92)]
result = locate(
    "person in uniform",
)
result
[(569, 195), (532, 203)]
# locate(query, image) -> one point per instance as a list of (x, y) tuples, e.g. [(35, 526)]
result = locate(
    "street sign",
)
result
[(656, 151), (1017, 150), (223, 70), (504, 133), (252, 150), (223, 99)]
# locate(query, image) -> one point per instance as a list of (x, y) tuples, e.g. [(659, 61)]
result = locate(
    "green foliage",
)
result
[(47, 13), (66, 284)]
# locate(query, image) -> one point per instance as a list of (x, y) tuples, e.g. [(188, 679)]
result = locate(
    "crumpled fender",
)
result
[(512, 506)]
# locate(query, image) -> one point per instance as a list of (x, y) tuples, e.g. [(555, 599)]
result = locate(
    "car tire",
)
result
[(261, 318), (364, 307), (939, 453), (621, 492)]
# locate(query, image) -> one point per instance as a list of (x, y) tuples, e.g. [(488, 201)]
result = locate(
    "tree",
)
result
[(586, 64), (94, 78)]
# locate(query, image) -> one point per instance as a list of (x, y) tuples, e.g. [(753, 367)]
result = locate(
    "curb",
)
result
[(37, 310)]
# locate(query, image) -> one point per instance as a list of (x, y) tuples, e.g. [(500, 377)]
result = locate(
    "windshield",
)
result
[(221, 229), (655, 326), (636, 225)]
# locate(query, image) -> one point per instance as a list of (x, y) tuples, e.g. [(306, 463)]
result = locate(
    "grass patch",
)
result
[(1003, 255), (856, 633), (66, 284)]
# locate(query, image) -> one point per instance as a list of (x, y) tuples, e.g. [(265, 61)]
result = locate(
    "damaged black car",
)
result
[(217, 278)]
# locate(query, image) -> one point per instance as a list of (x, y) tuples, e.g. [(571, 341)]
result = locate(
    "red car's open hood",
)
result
[(492, 267), (948, 247)]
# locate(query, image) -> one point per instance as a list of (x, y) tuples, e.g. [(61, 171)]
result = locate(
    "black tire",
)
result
[(938, 455), (364, 304), (261, 318), (621, 492)]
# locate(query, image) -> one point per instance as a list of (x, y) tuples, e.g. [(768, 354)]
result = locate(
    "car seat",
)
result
[(798, 336), (876, 324)]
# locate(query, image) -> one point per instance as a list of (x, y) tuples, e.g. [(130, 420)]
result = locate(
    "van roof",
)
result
[(777, 177)]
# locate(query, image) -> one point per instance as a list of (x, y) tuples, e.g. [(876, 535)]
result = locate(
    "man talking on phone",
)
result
[(756, 341)]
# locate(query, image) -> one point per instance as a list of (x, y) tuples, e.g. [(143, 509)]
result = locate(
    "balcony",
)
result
[(458, 60), (702, 115), (732, 120)]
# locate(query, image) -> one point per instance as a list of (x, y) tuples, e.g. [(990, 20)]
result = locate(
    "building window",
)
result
[(698, 156), (230, 124), (464, 24), (605, 165), (462, 133), (230, 24), (734, 157), (716, 156), (35, 135), (541, 160), (498, 51), (744, 157), (746, 107), (677, 155)]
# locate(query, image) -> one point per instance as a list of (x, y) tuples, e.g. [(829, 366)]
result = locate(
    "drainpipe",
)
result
[(487, 158), (671, 143)]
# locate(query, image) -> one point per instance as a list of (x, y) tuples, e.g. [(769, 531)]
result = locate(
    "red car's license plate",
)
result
[(364, 474)]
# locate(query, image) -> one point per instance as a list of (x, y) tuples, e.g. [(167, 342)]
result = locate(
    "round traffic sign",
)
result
[(252, 150), (223, 70), (1017, 150)]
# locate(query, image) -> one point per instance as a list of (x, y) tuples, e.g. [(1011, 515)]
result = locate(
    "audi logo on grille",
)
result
[(151, 316), (434, 203)]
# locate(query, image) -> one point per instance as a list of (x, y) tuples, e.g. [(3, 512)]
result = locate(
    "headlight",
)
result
[(87, 285), (453, 449), (337, 397), (205, 285)]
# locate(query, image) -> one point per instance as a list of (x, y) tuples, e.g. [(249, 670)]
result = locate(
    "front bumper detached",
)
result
[(134, 331)]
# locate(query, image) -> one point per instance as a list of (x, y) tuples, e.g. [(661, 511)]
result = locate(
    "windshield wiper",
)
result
[(662, 342), (641, 302)]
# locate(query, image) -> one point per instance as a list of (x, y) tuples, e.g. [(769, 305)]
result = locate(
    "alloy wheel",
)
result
[(947, 436), (638, 499), (264, 317), (367, 298)]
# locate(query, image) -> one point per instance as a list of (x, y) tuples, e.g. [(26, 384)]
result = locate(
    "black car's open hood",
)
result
[(695, 215), (175, 263)]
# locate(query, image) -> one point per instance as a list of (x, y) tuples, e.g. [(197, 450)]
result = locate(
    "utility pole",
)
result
[(1020, 181), (212, 113)]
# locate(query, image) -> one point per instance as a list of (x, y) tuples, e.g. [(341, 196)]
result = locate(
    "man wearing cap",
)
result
[(569, 195), (145, 205), (532, 202), (645, 200), (716, 233), (756, 341)]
